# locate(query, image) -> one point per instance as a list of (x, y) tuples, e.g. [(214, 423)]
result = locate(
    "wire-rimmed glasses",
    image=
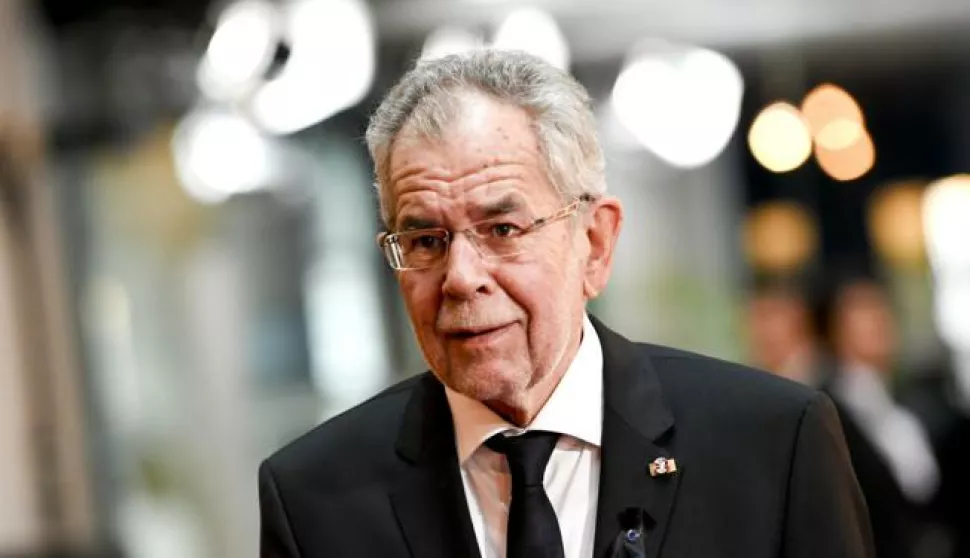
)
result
[(496, 238)]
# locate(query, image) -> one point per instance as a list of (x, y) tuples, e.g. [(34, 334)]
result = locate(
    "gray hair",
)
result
[(427, 98)]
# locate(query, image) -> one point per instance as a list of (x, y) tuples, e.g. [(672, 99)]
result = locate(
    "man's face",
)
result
[(778, 329), (488, 328), (866, 329)]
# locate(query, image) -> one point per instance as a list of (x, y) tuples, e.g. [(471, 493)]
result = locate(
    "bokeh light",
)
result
[(946, 218), (779, 236), (534, 31), (952, 311), (449, 40), (779, 138), (218, 154), (895, 223), (848, 163), (839, 134), (241, 48), (680, 103), (331, 67), (834, 118)]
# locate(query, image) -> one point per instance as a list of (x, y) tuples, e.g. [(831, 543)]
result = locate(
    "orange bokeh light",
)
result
[(849, 163), (779, 236), (895, 222), (834, 117)]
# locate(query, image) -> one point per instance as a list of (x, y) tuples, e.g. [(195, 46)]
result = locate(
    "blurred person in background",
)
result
[(891, 451), (781, 331), (538, 432), (931, 394)]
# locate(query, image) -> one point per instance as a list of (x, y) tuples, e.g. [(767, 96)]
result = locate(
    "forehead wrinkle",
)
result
[(454, 208), (460, 154), (407, 171), (498, 153), (451, 184)]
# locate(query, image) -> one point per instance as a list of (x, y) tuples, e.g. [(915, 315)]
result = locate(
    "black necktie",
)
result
[(533, 530)]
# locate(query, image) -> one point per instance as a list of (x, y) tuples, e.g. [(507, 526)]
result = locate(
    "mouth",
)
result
[(477, 334)]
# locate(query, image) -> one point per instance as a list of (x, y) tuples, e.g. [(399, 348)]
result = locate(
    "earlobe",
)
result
[(606, 220)]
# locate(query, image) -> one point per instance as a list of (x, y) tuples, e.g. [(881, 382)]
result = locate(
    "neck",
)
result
[(522, 408), (799, 364), (881, 366)]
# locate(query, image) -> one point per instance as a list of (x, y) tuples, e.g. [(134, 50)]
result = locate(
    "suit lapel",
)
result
[(637, 428), (429, 500)]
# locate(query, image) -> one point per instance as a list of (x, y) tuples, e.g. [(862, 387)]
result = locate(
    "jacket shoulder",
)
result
[(728, 387), (350, 444)]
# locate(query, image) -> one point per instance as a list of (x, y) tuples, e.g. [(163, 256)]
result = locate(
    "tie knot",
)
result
[(527, 454)]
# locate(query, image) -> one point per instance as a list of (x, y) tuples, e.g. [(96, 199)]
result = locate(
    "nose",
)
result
[(466, 271)]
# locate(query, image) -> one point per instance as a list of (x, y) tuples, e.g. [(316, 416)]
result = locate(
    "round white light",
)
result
[(946, 220), (952, 304), (449, 40), (534, 31), (682, 105), (240, 49), (330, 69), (218, 154)]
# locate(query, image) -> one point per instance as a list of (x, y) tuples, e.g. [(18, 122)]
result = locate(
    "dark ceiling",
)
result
[(64, 13)]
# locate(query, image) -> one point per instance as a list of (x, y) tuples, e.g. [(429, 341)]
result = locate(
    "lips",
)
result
[(473, 333), (466, 333)]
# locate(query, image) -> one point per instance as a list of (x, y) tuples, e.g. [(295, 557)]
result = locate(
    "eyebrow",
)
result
[(502, 206), (412, 222)]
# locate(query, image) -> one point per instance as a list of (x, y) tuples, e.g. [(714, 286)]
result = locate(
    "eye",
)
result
[(505, 230), (426, 242)]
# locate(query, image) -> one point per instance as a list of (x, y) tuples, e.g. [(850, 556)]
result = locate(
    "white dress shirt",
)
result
[(575, 410)]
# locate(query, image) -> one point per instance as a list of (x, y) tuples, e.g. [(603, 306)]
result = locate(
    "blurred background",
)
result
[(188, 276)]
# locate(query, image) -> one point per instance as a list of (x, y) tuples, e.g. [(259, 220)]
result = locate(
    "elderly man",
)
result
[(538, 432)]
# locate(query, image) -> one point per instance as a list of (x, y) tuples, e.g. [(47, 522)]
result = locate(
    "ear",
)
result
[(602, 231)]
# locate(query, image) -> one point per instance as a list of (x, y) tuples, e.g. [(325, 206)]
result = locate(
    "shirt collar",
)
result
[(575, 407)]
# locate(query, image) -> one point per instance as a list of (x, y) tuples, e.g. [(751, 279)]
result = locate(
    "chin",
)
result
[(485, 383)]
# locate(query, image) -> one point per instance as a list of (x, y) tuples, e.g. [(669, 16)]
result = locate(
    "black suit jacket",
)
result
[(763, 470)]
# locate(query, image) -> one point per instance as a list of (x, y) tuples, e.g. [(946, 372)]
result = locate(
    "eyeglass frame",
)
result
[(384, 238)]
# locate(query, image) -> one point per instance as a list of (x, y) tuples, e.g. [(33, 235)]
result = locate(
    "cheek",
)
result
[(547, 291), (421, 299), (421, 302)]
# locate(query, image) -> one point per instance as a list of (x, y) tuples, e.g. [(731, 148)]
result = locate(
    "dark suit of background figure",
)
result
[(933, 396), (896, 523), (899, 525)]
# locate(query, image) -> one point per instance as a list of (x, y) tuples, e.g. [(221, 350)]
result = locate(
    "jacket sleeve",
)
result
[(826, 514), (275, 536)]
